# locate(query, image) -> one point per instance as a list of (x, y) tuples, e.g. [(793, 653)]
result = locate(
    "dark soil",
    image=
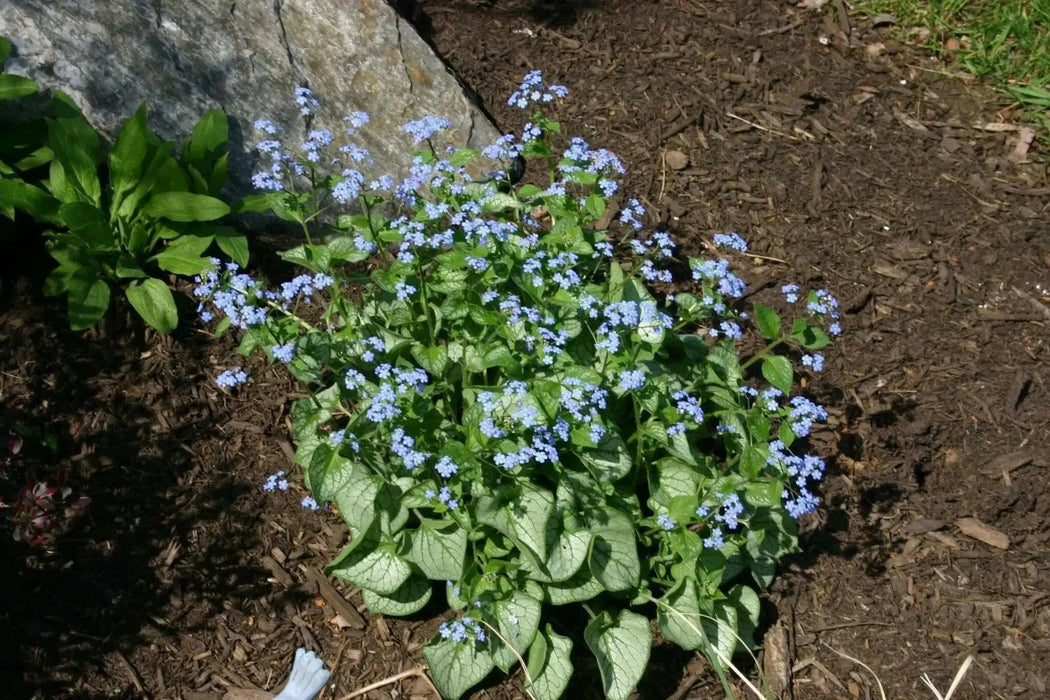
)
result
[(847, 160)]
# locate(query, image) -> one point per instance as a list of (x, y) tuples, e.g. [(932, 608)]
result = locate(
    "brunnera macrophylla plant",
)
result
[(499, 403)]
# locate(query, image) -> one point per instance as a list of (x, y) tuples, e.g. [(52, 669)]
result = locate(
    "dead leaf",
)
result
[(972, 527), (676, 160)]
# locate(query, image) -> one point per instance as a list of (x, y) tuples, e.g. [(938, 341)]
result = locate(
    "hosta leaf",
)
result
[(439, 554), (410, 598), (87, 302), (185, 206), (621, 645), (549, 665), (235, 246), (128, 156), (184, 255), (153, 301), (457, 667), (13, 86)]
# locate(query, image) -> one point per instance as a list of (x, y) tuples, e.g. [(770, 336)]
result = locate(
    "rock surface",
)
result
[(246, 56)]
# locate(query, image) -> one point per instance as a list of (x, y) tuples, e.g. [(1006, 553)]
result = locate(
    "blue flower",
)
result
[(446, 467), (355, 121), (632, 379), (276, 481), (308, 503), (730, 240), (423, 129), (532, 90), (631, 214), (284, 353), (231, 378), (790, 292), (404, 290), (666, 522), (304, 97), (715, 541), (731, 509), (815, 361), (803, 413)]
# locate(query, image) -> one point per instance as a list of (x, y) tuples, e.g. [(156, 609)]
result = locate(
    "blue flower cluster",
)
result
[(231, 378), (278, 481), (533, 91), (460, 631), (798, 498)]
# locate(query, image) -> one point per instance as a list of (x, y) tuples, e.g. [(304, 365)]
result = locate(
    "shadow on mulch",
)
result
[(129, 444)]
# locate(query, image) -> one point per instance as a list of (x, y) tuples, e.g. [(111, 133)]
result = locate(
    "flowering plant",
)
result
[(499, 402)]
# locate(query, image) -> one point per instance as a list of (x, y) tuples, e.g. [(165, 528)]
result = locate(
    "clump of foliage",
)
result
[(120, 218), (500, 404)]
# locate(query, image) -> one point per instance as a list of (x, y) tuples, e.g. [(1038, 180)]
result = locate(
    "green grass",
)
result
[(1005, 41)]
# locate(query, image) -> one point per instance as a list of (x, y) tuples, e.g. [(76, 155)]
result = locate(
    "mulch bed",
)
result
[(847, 160)]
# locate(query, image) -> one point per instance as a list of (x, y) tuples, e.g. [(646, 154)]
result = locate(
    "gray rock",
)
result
[(184, 57)]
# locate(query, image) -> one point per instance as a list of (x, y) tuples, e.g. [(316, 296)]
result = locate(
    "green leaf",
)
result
[(89, 224), (521, 515), (499, 202), (809, 337), (28, 198), (568, 554), (316, 258), (581, 586), (614, 555), (455, 668), (410, 598), (609, 461), (207, 140), (128, 157), (348, 484), (622, 647), (768, 321), (439, 554), (184, 255), (462, 157), (87, 302), (153, 301), (373, 566), (671, 478), (235, 246), (14, 86), (77, 148), (433, 359), (518, 619), (344, 249), (777, 371), (678, 616), (764, 494), (549, 665), (5, 49), (185, 206)]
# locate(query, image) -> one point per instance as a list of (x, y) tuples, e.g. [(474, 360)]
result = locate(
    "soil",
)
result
[(848, 159)]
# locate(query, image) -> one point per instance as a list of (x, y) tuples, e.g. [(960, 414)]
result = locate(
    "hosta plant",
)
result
[(502, 409), (119, 218)]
